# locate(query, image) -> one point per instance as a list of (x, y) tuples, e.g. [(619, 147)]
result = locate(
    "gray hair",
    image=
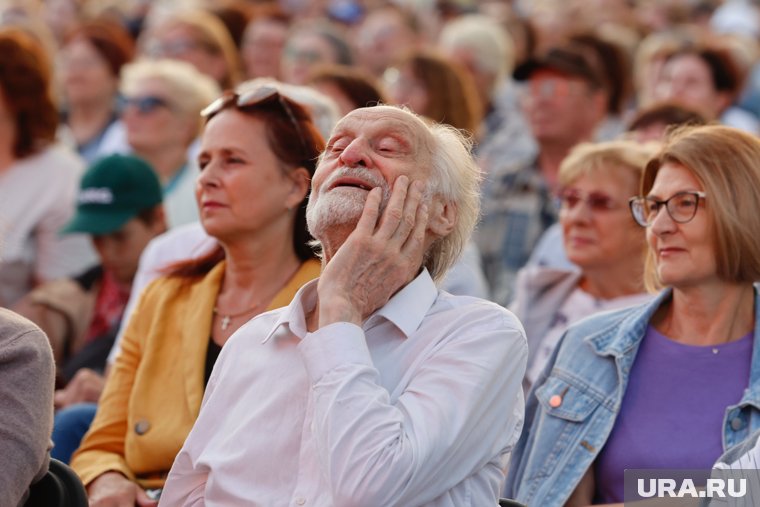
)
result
[(456, 178)]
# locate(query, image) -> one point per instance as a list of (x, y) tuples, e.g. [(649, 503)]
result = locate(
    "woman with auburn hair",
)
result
[(38, 178), (672, 383), (431, 85), (258, 153)]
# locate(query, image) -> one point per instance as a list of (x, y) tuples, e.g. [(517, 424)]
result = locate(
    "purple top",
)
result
[(673, 409)]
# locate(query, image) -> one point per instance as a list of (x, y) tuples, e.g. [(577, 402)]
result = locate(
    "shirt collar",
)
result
[(406, 309), (294, 315)]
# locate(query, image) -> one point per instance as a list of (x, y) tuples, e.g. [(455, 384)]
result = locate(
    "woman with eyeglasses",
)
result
[(258, 153), (599, 236), (161, 105), (672, 383)]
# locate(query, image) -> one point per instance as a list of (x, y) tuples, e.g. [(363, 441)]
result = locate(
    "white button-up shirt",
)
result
[(419, 406)]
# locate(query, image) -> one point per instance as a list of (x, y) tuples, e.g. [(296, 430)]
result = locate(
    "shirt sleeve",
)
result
[(461, 409), (186, 483)]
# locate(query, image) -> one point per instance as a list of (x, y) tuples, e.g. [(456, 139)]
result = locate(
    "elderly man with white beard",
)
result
[(373, 387)]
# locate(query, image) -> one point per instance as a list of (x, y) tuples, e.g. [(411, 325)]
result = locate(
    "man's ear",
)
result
[(442, 217), (301, 182)]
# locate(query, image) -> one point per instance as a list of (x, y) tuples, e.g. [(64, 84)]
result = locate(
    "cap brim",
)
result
[(97, 222), (524, 70)]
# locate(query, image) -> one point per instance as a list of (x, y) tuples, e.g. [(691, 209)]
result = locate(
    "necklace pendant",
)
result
[(225, 322)]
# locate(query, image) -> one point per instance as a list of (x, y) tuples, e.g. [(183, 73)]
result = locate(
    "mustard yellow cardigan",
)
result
[(154, 390)]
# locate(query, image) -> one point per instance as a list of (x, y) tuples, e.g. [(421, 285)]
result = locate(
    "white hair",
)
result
[(456, 178), (488, 42)]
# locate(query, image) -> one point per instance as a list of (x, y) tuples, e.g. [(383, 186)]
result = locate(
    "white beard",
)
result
[(342, 205)]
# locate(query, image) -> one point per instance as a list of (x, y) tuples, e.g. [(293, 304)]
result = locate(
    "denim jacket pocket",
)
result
[(562, 422), (559, 398)]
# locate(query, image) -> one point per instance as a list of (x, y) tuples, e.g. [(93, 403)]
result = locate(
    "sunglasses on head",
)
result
[(144, 105), (259, 97)]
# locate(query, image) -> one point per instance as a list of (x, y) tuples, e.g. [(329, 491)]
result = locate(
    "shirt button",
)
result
[(300, 500), (737, 423), (555, 401), (142, 426)]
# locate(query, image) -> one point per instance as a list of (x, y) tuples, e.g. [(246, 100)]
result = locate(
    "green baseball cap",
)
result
[(114, 190)]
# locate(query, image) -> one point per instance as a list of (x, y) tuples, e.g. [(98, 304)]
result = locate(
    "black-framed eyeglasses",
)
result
[(261, 96), (143, 105), (682, 207), (569, 198)]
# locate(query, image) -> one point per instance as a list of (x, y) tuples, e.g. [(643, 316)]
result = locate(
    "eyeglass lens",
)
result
[(682, 207)]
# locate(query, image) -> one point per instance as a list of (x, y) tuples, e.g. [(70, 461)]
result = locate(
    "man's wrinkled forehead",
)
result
[(387, 120)]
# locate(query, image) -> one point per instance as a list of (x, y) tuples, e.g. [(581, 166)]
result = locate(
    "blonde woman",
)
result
[(599, 236)]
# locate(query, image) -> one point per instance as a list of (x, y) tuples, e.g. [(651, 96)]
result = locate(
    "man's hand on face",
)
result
[(378, 258)]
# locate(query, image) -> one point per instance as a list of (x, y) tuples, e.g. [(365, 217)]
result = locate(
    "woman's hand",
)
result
[(112, 489), (379, 257)]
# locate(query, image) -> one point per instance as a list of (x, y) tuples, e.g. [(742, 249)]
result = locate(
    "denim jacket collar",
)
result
[(619, 338)]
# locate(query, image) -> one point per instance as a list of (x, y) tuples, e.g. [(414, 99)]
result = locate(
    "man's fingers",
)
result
[(415, 242), (368, 218), (409, 217), (394, 211)]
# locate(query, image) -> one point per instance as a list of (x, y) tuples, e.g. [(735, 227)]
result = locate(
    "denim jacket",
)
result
[(572, 407)]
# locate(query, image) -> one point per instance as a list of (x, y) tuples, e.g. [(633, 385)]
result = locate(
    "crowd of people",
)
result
[(375, 252)]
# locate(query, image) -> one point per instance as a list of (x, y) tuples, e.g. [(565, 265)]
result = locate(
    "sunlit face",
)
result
[(368, 148), (85, 73), (262, 47), (119, 251), (558, 106), (687, 79), (684, 253), (159, 126), (242, 188), (597, 227)]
